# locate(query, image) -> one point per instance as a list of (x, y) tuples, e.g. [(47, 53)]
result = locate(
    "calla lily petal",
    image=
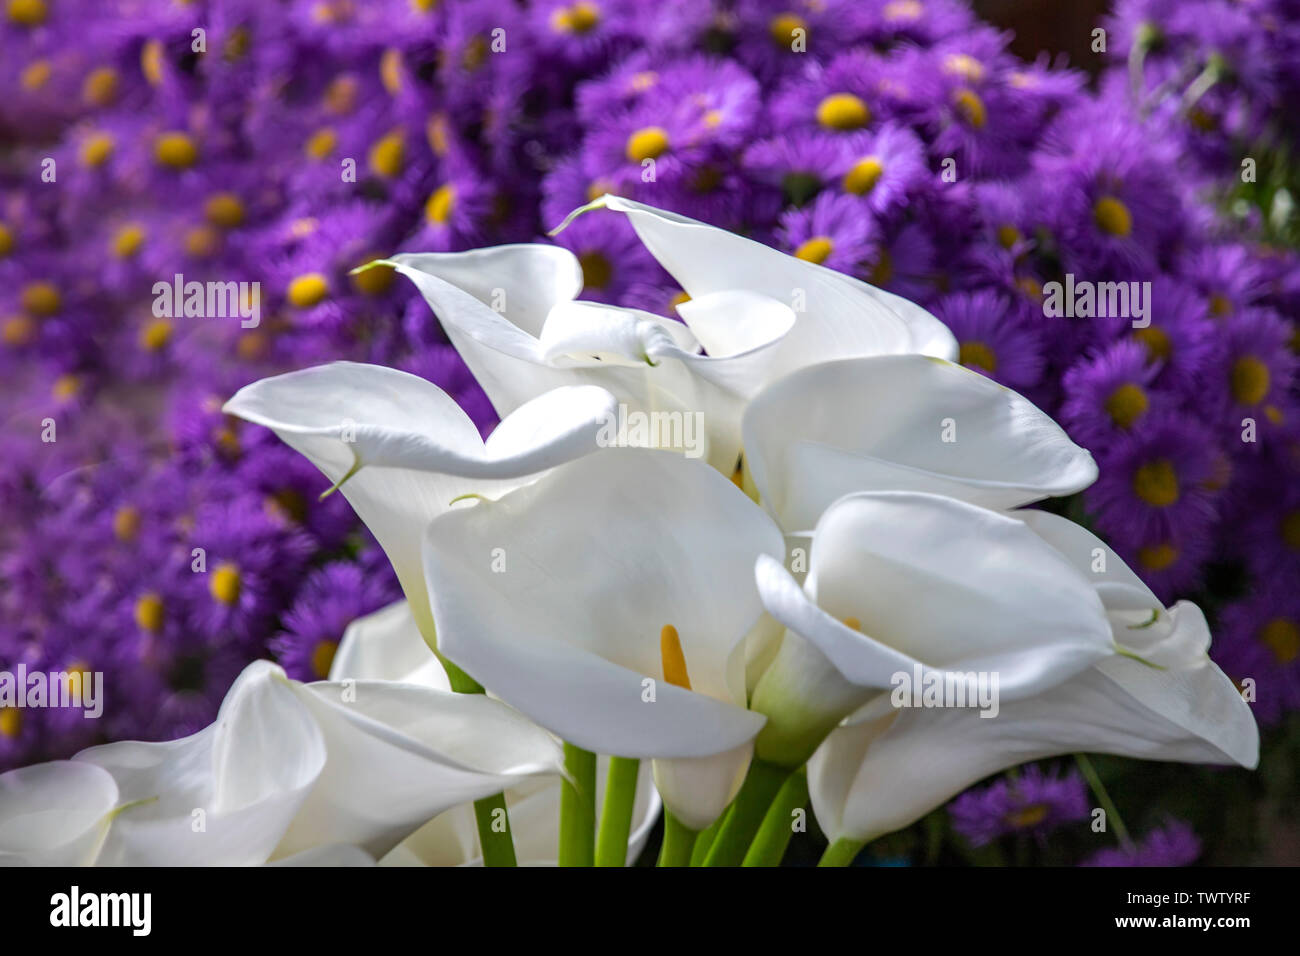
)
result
[(579, 667), (55, 814), (222, 796), (401, 449), (903, 422), (884, 773), (399, 754), (386, 645)]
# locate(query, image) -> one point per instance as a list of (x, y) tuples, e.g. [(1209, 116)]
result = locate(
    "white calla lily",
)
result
[(287, 771), (906, 423), (587, 662), (918, 584), (884, 773), (386, 645), (759, 314), (401, 449)]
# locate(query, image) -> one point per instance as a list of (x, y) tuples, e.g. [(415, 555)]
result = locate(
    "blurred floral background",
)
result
[(902, 141)]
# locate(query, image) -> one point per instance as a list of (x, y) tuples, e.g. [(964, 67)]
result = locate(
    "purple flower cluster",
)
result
[(1109, 248), (1033, 802)]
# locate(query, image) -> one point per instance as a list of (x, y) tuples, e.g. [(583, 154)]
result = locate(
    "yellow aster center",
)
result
[(11, 722), (96, 149), (1031, 287), (100, 86), (36, 75), (965, 66), (27, 13), (648, 143), (843, 111), (388, 155), (287, 503), (226, 584), (644, 80), (978, 355), (883, 270), (1220, 305), (1029, 816), (322, 657), (224, 210), (149, 612), (374, 281), (597, 270), (1157, 342), (424, 6), (18, 330), (252, 346), (1126, 404), (1008, 235), (340, 97), (66, 387), (864, 175), (440, 205), (1283, 639), (6, 240), (1157, 557), (1156, 483), (970, 107), (673, 658), (151, 62), (155, 335), (1291, 530), (437, 133), (1250, 380), (816, 250), (903, 10), (41, 298), (202, 242), (475, 54), (1112, 216), (321, 143), (308, 290), (128, 240), (391, 70), (176, 150), (126, 523), (579, 18), (783, 26)]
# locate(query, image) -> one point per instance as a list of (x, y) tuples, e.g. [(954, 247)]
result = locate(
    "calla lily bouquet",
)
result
[(811, 574)]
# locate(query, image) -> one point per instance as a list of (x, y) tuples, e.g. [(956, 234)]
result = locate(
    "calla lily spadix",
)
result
[(573, 631), (286, 768), (907, 423), (954, 588), (401, 449), (757, 313)]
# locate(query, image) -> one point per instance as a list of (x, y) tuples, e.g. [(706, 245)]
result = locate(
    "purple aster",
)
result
[(1255, 371), (1174, 844), (612, 257), (1111, 393), (994, 336), (1157, 481), (331, 598), (1259, 642), (1032, 802), (1178, 338), (835, 231), (885, 168)]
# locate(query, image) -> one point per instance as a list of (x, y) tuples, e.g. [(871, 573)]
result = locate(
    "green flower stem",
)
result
[(778, 825), (616, 811), (578, 808), (704, 842), (1103, 797), (761, 785), (497, 842), (842, 852), (679, 840)]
